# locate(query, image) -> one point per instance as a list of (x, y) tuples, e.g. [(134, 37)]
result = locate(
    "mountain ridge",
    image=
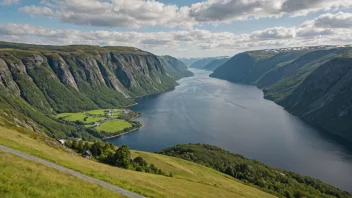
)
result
[(38, 81), (283, 75)]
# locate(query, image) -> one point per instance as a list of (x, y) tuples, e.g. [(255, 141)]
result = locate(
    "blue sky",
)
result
[(181, 28)]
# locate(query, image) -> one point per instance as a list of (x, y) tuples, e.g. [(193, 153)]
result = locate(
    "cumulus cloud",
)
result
[(313, 32), (139, 13), (339, 20), (274, 33), (9, 2), (114, 13)]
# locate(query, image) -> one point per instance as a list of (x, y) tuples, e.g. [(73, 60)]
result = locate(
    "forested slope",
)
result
[(313, 83)]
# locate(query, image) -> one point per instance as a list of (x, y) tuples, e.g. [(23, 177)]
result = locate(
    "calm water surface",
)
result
[(237, 118)]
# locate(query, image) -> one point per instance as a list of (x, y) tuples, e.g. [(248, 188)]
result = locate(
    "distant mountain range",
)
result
[(216, 63), (314, 83), (202, 63), (189, 61)]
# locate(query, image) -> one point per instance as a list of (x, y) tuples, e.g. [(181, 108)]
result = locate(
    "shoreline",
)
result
[(121, 134), (125, 133)]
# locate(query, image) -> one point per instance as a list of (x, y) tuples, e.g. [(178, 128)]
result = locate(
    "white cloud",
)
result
[(9, 2), (313, 32), (274, 33), (140, 13), (339, 20), (115, 13)]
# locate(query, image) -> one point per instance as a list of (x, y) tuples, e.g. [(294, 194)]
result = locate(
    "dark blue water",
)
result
[(237, 118)]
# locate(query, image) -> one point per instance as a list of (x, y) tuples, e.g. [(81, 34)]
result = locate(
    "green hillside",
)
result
[(24, 178), (189, 179), (215, 64), (292, 78), (39, 81), (278, 182)]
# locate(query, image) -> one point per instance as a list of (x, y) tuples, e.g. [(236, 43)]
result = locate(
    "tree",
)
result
[(74, 144), (96, 149), (229, 171), (153, 168), (68, 144), (122, 157), (86, 146), (80, 147), (140, 162)]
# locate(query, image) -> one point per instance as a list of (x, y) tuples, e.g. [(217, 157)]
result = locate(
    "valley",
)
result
[(176, 98), (81, 95), (312, 83)]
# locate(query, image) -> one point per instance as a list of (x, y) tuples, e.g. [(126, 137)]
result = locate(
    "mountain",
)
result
[(39, 81), (174, 67), (200, 64), (324, 98), (277, 182), (292, 77), (189, 61), (215, 64)]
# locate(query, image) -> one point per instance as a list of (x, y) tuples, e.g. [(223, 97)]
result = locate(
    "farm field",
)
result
[(112, 126), (102, 120)]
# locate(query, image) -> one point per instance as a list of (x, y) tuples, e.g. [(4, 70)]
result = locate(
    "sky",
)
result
[(180, 28)]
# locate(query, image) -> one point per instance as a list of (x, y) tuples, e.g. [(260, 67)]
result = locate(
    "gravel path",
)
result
[(74, 173)]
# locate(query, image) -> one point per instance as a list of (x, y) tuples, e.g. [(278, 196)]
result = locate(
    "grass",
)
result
[(23, 178), (190, 179), (97, 112), (90, 117), (112, 126)]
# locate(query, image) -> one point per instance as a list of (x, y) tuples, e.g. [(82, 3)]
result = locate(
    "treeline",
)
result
[(121, 157), (274, 181)]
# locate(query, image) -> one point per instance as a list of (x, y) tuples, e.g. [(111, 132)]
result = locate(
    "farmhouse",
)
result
[(96, 124), (87, 154), (62, 141)]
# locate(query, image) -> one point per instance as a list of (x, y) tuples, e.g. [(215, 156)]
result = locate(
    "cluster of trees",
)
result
[(107, 153), (274, 181)]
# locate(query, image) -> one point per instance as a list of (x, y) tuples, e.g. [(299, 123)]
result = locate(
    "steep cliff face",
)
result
[(312, 83), (174, 67), (250, 67), (325, 97), (39, 80)]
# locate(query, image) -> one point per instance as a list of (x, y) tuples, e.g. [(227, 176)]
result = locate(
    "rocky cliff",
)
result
[(313, 83), (52, 79), (174, 67), (325, 97)]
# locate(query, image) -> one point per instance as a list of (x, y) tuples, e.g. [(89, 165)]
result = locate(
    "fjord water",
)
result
[(237, 118)]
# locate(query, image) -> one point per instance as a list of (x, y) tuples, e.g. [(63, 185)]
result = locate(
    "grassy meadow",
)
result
[(89, 119), (23, 178), (112, 126), (189, 180)]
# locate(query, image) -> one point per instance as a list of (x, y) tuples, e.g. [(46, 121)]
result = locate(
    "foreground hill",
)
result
[(44, 181), (278, 182), (39, 81), (189, 179), (313, 83)]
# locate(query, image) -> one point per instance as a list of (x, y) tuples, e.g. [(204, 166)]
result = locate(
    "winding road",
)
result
[(74, 173)]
